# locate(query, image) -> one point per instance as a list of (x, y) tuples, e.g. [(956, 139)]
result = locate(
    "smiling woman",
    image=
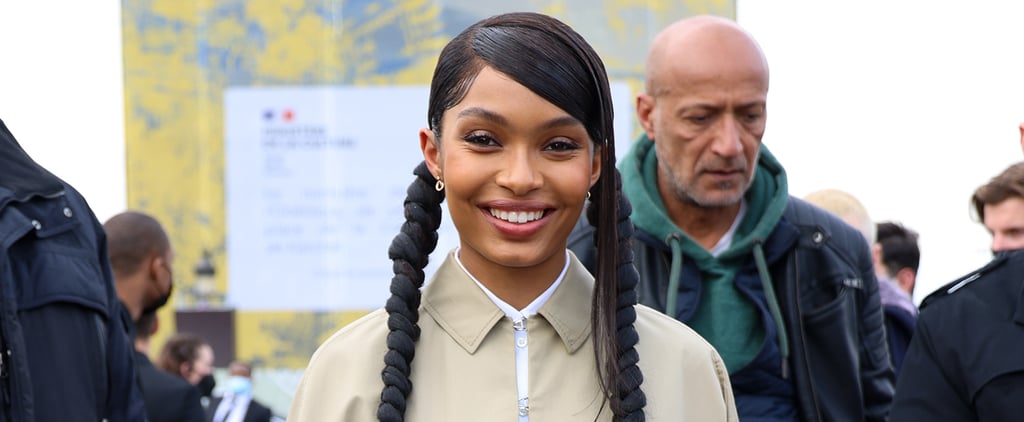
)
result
[(518, 169), (519, 136)]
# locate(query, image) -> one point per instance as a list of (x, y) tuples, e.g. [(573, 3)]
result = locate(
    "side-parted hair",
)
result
[(180, 348), (1008, 184), (899, 247), (552, 60)]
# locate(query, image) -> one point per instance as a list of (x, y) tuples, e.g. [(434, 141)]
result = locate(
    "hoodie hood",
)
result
[(766, 200)]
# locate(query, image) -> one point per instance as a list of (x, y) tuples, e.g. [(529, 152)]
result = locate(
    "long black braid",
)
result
[(409, 252), (629, 400)]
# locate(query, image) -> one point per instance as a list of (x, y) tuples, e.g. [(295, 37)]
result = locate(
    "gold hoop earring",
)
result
[(588, 195), (439, 186)]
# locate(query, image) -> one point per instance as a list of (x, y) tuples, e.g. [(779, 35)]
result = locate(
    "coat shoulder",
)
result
[(343, 378), (669, 332), (992, 278)]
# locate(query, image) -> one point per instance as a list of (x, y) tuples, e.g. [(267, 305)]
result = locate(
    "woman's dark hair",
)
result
[(550, 59), (180, 348)]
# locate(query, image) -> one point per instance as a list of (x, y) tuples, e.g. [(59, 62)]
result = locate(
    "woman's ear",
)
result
[(185, 369), (431, 151), (595, 165)]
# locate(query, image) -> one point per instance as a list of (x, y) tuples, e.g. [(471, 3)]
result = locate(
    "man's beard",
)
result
[(159, 302)]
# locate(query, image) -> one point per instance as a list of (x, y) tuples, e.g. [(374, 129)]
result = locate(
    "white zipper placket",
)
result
[(522, 351)]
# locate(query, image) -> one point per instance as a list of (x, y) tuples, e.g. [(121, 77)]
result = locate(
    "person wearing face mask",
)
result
[(237, 403), (141, 257), (190, 357)]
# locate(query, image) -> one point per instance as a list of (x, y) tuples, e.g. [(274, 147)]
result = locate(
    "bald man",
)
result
[(142, 259), (785, 291)]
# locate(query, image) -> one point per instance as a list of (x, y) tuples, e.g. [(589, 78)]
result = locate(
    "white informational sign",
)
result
[(314, 182)]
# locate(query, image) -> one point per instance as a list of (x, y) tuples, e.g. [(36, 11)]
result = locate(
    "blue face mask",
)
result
[(238, 385)]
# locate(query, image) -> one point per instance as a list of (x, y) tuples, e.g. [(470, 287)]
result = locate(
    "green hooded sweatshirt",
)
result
[(723, 316)]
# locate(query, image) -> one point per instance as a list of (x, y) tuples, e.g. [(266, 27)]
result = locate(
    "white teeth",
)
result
[(517, 216)]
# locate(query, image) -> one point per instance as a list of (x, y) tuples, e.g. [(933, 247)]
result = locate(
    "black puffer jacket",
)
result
[(828, 297), (65, 347)]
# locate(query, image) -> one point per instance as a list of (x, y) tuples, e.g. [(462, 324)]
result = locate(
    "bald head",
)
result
[(847, 207), (699, 48), (132, 238)]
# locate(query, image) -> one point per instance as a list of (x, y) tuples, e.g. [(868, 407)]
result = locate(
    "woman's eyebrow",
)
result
[(561, 121)]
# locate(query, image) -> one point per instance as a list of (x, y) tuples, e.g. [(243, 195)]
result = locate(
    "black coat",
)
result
[(966, 358), (828, 296), (65, 344), (168, 398)]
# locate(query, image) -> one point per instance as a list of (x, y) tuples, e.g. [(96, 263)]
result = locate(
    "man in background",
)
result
[(784, 291), (237, 404), (999, 204), (964, 361), (897, 256), (65, 346), (142, 258)]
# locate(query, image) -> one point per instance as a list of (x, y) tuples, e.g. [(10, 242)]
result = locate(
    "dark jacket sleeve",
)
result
[(899, 329), (191, 406), (875, 366), (924, 391), (258, 413)]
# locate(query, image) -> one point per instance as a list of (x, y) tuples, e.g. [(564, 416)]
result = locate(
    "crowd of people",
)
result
[(683, 283)]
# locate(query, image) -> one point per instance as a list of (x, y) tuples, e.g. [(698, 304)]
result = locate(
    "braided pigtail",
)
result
[(409, 252), (631, 396), (621, 375)]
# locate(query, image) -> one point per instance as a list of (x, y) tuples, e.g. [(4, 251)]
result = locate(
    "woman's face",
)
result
[(202, 366), (516, 170)]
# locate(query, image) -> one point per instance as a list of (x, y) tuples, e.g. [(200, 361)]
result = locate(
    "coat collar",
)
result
[(22, 177), (465, 312)]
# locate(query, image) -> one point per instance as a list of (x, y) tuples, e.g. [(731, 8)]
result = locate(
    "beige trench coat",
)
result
[(464, 369)]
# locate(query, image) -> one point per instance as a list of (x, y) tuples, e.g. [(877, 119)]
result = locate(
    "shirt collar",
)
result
[(467, 314), (510, 311)]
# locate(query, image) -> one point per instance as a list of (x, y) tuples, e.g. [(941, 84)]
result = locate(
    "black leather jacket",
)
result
[(828, 295)]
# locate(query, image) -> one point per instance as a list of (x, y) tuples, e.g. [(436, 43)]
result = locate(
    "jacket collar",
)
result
[(465, 312), (22, 177)]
